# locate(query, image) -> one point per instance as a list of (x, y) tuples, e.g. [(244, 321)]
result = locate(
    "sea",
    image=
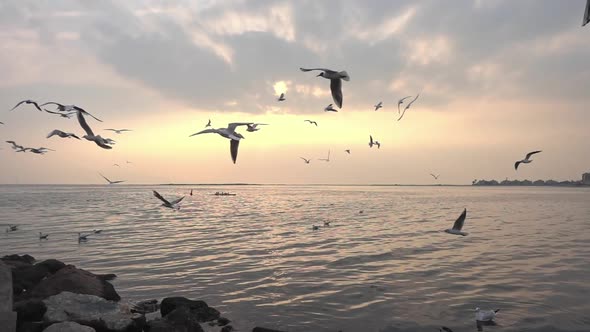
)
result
[(383, 264)]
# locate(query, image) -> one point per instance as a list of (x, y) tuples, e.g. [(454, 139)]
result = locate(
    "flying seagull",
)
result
[(311, 122), (62, 134), (401, 101), (335, 78), (254, 127), (173, 204), (11, 228), (70, 109), (43, 236), (329, 108), (281, 97), (372, 142), (456, 230), (326, 159), (526, 160), (1, 122), (347, 151), (485, 315), (435, 176), (28, 101), (229, 133), (40, 150), (408, 106), (119, 131), (305, 160), (63, 115), (16, 146), (97, 139), (109, 181), (378, 144), (208, 124), (379, 105), (586, 13)]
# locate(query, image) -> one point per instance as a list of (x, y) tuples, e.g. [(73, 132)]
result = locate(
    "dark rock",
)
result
[(27, 276), (198, 308), (52, 265), (29, 311), (262, 329), (69, 327), (145, 307), (77, 281), (31, 327), (180, 319), (227, 328), (222, 321), (106, 277), (25, 259)]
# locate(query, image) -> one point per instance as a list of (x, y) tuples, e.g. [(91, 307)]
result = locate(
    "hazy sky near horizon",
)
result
[(497, 78)]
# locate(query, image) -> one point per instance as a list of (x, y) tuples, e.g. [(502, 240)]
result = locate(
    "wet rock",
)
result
[(106, 277), (17, 259), (28, 276), (222, 321), (71, 279), (200, 309), (51, 265), (68, 327), (262, 329), (31, 327), (29, 311), (145, 307), (93, 311), (180, 319), (227, 328)]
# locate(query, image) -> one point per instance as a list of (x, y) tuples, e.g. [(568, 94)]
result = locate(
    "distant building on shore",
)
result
[(586, 178)]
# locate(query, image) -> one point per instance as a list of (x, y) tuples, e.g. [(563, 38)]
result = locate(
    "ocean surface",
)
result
[(255, 257)]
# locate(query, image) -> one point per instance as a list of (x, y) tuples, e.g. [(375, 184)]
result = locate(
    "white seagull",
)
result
[(326, 159), (456, 230), (172, 205), (526, 160), (329, 108), (281, 97), (311, 122), (485, 315), (39, 150), (586, 18), (28, 101), (254, 127), (408, 106), (109, 181), (305, 160), (97, 139), (378, 106), (229, 133), (70, 109), (82, 237), (119, 131), (335, 78), (62, 134), (401, 101)]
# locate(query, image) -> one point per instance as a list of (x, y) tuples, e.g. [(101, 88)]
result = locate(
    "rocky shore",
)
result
[(51, 296)]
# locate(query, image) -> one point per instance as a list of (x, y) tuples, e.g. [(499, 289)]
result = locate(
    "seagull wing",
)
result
[(52, 103), (206, 131), (111, 129), (528, 155), (84, 111), (586, 19), (119, 181), (176, 201), (53, 133), (401, 101), (84, 124), (158, 196), (412, 101), (306, 160), (336, 88), (322, 69), (371, 140), (434, 176), (232, 126), (104, 177), (516, 165), (17, 105), (233, 149), (460, 221)]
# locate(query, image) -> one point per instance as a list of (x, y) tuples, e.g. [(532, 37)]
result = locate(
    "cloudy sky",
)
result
[(498, 78)]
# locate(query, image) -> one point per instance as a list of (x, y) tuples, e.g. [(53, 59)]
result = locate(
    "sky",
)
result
[(497, 79)]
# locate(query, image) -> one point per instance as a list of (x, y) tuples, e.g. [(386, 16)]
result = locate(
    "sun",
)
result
[(280, 87)]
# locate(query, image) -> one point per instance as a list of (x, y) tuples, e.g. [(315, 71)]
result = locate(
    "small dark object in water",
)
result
[(445, 329)]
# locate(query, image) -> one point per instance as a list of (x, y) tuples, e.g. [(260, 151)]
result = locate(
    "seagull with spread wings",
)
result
[(109, 181), (28, 101), (311, 122), (169, 204), (62, 134), (408, 106), (119, 131), (97, 139), (229, 133), (526, 160), (335, 78), (458, 225)]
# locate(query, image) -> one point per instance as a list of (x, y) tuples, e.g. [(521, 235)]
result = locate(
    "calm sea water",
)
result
[(255, 257)]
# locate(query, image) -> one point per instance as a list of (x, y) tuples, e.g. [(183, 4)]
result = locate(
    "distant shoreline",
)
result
[(482, 183)]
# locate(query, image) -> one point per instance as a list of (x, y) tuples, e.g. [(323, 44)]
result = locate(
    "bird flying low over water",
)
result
[(62, 134), (43, 236), (379, 105), (28, 101), (458, 225), (435, 176), (526, 160), (305, 160), (408, 106), (335, 78), (311, 122), (485, 315), (281, 97), (169, 204), (118, 131), (229, 133), (109, 181), (586, 18)]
